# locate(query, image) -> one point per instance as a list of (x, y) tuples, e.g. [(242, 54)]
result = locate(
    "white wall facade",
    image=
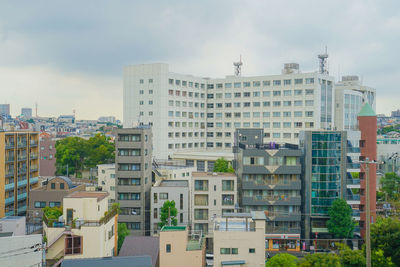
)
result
[(106, 179), (190, 113)]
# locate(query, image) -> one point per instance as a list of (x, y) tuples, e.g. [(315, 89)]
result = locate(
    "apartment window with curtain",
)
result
[(201, 200)]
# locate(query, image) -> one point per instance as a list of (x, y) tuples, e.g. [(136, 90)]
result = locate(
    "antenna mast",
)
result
[(238, 67), (323, 62)]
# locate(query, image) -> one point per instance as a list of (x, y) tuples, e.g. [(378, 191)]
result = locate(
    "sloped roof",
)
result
[(135, 261), (366, 111), (141, 246)]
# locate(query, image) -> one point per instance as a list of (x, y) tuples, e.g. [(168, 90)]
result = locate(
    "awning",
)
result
[(231, 263)]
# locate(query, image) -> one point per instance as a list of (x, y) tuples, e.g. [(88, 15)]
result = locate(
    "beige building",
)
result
[(212, 194), (181, 248), (239, 240), (87, 229), (106, 180), (19, 171)]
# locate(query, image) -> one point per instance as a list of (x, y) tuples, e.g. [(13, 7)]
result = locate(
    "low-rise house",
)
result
[(86, 229), (181, 248), (141, 246), (239, 239), (50, 194), (135, 261), (176, 190)]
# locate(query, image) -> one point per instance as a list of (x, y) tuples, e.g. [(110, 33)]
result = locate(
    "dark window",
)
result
[(181, 218), (168, 248), (53, 186), (62, 186), (53, 204), (181, 201), (40, 204), (252, 250), (73, 245)]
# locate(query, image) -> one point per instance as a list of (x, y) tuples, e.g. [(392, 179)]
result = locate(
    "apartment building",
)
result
[(5, 109), (172, 190), (50, 194), (196, 113), (368, 151), (350, 96), (47, 166), (88, 229), (269, 181), (171, 170), (19, 166), (239, 239), (212, 194), (133, 172), (203, 161), (327, 170), (180, 247), (26, 113), (106, 180)]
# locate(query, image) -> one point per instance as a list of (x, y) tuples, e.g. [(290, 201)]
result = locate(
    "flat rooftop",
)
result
[(207, 154), (85, 194), (174, 183)]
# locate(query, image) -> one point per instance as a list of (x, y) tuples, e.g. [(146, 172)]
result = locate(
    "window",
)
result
[(235, 251), (266, 103), (237, 85), (227, 185), (40, 204), (237, 94), (228, 85), (309, 114), (276, 103), (130, 211), (287, 124), (201, 214), (291, 161), (266, 93), (298, 81), (201, 185), (53, 185), (155, 213), (309, 80), (256, 94), (298, 114), (129, 196), (53, 204), (266, 83), (287, 103), (256, 83), (225, 251), (287, 114), (287, 92), (201, 200), (246, 94), (297, 92), (73, 245), (163, 195), (276, 93), (287, 82), (266, 114), (309, 103), (309, 91), (276, 114), (252, 250), (277, 82), (62, 186), (276, 125)]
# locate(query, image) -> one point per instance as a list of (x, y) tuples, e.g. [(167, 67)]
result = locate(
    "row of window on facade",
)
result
[(299, 124), (270, 161), (131, 137), (202, 185), (42, 204), (276, 93), (219, 115), (288, 103), (296, 81), (202, 200), (131, 166)]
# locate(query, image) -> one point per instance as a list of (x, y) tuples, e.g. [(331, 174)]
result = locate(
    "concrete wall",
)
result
[(19, 252), (86, 208), (47, 157)]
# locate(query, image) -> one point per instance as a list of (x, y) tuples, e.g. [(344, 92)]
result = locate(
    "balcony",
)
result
[(282, 216), (21, 157), (271, 200), (22, 196), (10, 159), (33, 169), (22, 171), (282, 230), (22, 144), (9, 187), (276, 185), (33, 156), (9, 174), (10, 145), (33, 143), (22, 183), (33, 180), (9, 200), (10, 213), (353, 165), (22, 209)]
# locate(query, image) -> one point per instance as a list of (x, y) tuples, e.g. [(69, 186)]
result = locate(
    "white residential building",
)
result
[(211, 195), (350, 97), (191, 113), (176, 190), (106, 180)]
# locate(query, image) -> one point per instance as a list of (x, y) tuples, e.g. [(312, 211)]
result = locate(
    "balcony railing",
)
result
[(9, 159), (281, 213), (33, 156), (22, 170), (21, 144), (353, 165), (33, 168), (33, 143), (22, 157), (10, 145), (9, 174), (282, 230), (353, 181), (273, 198), (353, 197)]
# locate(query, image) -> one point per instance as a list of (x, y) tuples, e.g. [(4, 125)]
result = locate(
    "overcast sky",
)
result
[(68, 55)]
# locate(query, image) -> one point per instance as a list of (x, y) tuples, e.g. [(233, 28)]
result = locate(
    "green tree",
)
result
[(378, 259), (100, 151), (349, 257), (320, 260), (282, 260), (391, 185), (222, 165), (123, 231), (168, 208), (385, 236), (341, 222)]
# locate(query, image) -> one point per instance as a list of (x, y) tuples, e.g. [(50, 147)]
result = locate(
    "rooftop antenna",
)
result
[(238, 67), (323, 62)]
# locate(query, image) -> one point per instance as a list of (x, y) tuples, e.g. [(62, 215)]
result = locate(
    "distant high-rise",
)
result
[(5, 109), (133, 173), (26, 113)]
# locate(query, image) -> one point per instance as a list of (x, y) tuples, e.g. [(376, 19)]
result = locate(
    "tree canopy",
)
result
[(391, 185), (173, 212), (282, 260), (79, 153), (320, 259), (385, 235), (341, 222), (222, 165)]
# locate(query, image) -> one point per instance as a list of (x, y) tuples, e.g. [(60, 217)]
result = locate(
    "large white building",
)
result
[(350, 97), (106, 180), (192, 113)]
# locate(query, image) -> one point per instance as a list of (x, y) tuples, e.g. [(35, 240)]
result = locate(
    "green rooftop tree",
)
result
[(341, 222), (320, 260), (391, 185), (222, 165), (123, 231), (385, 235), (168, 210)]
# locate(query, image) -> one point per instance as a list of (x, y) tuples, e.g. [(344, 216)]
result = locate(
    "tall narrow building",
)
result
[(133, 158), (19, 171), (368, 126)]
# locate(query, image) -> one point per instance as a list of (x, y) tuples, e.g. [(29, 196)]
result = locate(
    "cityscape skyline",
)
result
[(80, 55)]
